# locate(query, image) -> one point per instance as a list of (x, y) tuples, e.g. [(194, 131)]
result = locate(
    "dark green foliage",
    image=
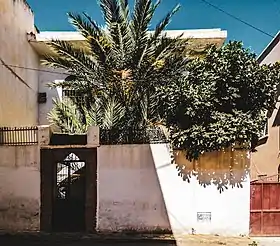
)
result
[(222, 99), (127, 78)]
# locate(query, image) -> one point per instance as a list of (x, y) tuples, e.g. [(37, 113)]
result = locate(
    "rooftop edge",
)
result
[(190, 33), (269, 47)]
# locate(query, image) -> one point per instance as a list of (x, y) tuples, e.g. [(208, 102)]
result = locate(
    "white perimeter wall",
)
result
[(139, 189)]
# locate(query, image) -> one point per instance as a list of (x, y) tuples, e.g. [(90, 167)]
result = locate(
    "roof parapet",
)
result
[(194, 33)]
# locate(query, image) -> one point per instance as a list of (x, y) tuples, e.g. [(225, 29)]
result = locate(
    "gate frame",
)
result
[(50, 155)]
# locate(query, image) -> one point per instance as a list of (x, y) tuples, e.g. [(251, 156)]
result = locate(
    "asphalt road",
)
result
[(50, 240), (33, 241)]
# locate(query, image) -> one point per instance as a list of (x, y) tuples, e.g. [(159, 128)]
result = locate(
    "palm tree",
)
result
[(122, 65)]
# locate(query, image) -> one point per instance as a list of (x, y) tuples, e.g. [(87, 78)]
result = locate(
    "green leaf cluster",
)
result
[(127, 78), (222, 99)]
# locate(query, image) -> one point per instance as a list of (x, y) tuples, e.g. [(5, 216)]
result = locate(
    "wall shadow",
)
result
[(161, 163), (129, 193), (166, 214)]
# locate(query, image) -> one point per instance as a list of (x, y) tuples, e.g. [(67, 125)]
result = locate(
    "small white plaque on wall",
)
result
[(204, 217)]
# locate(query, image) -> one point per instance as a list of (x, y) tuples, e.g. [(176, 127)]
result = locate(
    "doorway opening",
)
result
[(69, 202), (68, 189)]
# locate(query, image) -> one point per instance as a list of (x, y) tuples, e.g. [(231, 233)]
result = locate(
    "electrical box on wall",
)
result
[(42, 97)]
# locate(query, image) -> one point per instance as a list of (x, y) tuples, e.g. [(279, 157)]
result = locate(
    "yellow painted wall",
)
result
[(229, 166)]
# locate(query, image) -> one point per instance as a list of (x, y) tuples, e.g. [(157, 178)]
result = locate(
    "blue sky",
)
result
[(50, 15)]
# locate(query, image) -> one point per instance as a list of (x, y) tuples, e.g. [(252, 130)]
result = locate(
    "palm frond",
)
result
[(104, 112), (73, 54), (79, 77), (55, 84), (94, 35), (124, 10), (78, 62), (113, 114), (95, 113), (167, 46), (86, 28), (125, 26), (66, 116), (116, 16), (142, 16), (57, 62), (111, 11)]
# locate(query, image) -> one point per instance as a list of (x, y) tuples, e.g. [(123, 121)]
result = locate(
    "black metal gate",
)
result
[(68, 189), (69, 203)]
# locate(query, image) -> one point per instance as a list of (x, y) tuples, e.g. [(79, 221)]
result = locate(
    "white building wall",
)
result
[(18, 105), (273, 56), (46, 76)]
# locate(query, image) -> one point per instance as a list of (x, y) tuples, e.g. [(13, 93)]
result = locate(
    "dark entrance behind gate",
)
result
[(68, 189), (69, 202)]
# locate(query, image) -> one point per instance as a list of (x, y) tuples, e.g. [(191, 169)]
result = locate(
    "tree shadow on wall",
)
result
[(223, 169)]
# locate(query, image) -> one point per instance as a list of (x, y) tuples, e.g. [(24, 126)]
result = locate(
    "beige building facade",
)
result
[(18, 87), (265, 162)]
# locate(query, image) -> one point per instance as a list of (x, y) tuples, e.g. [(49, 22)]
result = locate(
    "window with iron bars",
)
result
[(69, 93), (73, 95)]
